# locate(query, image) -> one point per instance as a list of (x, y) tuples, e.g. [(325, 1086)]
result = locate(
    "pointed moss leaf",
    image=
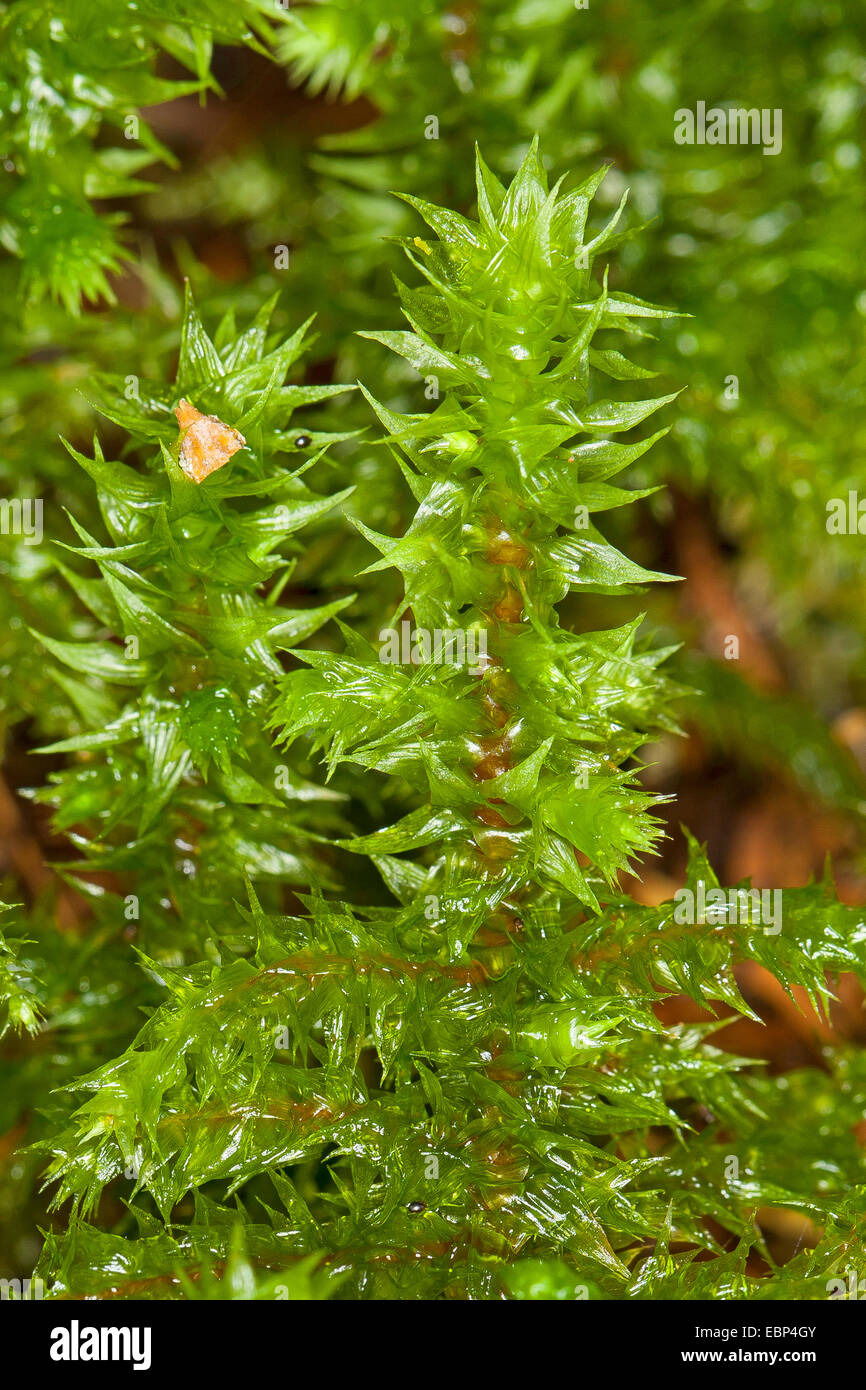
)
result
[(199, 360), (421, 827), (585, 560), (425, 358), (612, 416), (102, 659)]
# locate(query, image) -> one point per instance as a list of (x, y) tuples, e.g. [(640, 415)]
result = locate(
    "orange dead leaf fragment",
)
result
[(206, 443)]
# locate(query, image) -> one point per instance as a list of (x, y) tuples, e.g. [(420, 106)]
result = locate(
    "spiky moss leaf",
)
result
[(528, 1095), (224, 1256), (174, 778), (20, 990), (63, 82), (444, 1050), (485, 556)]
